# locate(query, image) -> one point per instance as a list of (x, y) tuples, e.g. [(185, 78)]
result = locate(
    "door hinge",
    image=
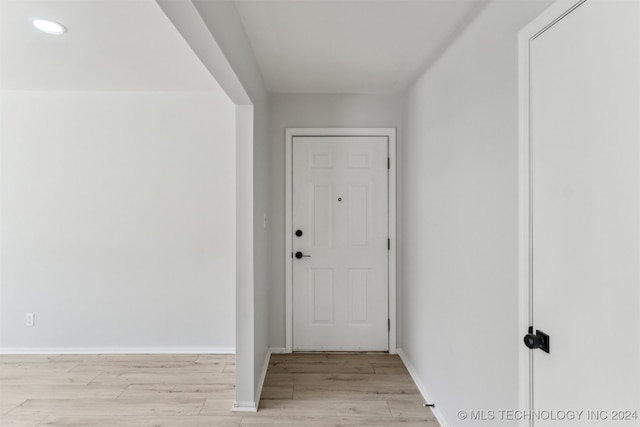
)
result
[(388, 244), (388, 325)]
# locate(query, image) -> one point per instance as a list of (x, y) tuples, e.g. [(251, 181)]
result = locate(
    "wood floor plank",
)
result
[(409, 408), (324, 408), (336, 380), (37, 367), (170, 369), (109, 407), (20, 421), (216, 358), (181, 391), (313, 368), (123, 365), (386, 369), (136, 358), (60, 391), (27, 358), (52, 377), (343, 358), (331, 421), (134, 377), (351, 362), (220, 407), (277, 392), (355, 392), (137, 421), (9, 402)]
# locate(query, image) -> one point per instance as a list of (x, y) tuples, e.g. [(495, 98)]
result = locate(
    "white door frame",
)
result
[(553, 14), (290, 134)]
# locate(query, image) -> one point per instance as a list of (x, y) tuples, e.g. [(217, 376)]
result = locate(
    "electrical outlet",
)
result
[(29, 319)]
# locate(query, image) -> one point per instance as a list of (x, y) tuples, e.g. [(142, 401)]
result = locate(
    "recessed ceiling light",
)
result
[(49, 27)]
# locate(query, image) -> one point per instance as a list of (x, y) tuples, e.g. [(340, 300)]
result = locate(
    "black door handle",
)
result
[(538, 340), (300, 255), (298, 233)]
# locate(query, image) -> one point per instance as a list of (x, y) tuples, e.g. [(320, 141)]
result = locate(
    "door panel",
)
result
[(359, 214), (586, 211), (321, 213), (358, 290), (340, 203), (321, 296)]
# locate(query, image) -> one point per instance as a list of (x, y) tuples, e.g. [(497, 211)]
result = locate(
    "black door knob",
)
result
[(538, 340), (298, 233), (532, 341), (300, 255)]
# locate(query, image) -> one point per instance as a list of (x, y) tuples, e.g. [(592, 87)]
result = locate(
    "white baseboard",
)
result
[(263, 375), (423, 390), (117, 350), (244, 407), (277, 350)]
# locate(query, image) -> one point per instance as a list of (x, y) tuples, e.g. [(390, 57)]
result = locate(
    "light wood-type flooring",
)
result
[(313, 389)]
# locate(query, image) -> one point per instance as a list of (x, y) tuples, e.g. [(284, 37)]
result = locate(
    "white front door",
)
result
[(585, 215), (340, 223)]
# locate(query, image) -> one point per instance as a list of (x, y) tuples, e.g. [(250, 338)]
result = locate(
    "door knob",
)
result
[(538, 340), (532, 341), (298, 233), (300, 255)]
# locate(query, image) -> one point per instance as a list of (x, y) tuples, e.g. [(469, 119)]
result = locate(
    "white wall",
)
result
[(118, 213), (460, 294), (288, 110)]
